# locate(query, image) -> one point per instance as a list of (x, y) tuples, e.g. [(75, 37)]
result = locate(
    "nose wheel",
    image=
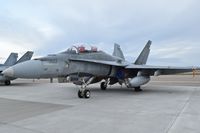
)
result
[(84, 93)]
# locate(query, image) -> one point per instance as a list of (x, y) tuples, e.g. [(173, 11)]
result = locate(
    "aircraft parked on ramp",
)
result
[(85, 67), (12, 60)]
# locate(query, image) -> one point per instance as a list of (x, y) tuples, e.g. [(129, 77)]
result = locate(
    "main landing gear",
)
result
[(7, 82), (103, 86), (138, 89)]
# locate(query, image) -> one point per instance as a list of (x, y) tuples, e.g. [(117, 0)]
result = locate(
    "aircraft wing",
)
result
[(145, 69), (160, 70)]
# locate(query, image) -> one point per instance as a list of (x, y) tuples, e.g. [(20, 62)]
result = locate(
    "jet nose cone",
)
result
[(8, 72)]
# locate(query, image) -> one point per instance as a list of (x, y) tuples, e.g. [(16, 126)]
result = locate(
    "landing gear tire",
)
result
[(87, 94), (7, 82), (103, 86), (138, 89), (84, 94), (80, 94)]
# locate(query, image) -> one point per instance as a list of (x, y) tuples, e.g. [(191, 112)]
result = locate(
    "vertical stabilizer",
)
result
[(27, 56), (12, 59), (118, 52), (142, 59)]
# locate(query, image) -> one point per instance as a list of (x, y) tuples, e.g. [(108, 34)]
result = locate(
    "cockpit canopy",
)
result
[(82, 49)]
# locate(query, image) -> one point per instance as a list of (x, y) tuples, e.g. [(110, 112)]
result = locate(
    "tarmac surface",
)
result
[(168, 104)]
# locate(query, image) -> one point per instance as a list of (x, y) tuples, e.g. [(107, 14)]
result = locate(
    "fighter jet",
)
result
[(87, 66), (12, 60)]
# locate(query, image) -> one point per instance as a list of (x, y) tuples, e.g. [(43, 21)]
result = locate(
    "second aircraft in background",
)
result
[(12, 60)]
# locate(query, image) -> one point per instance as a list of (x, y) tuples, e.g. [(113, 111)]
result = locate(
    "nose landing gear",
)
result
[(84, 93)]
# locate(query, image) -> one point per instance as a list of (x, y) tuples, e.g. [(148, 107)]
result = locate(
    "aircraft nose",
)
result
[(9, 72), (28, 69)]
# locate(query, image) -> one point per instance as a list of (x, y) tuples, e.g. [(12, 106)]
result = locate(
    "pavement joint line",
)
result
[(31, 101), (17, 126), (9, 124), (180, 112)]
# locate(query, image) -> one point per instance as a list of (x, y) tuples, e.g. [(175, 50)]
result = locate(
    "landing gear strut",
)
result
[(84, 93), (138, 89), (103, 86), (7, 82)]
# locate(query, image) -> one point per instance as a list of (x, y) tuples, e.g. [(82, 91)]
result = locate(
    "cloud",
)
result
[(49, 26)]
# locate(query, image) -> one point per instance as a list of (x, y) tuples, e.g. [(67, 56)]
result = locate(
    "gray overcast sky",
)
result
[(50, 26)]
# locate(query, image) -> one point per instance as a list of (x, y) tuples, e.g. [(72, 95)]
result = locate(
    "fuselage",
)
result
[(59, 65)]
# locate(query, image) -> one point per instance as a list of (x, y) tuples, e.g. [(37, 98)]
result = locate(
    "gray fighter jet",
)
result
[(12, 60), (85, 67)]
